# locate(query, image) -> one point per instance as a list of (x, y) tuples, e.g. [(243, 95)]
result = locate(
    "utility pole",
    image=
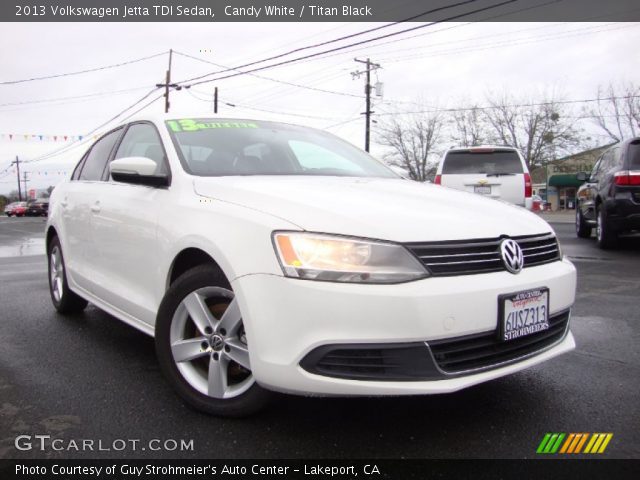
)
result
[(167, 85), (215, 100), (17, 164), (367, 90), (26, 194)]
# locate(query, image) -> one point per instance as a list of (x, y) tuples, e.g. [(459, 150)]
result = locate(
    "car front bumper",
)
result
[(286, 319)]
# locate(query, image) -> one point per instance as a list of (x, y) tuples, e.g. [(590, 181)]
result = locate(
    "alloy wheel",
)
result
[(56, 273), (208, 343)]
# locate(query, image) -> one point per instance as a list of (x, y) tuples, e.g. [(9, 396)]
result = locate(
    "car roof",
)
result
[(159, 118), (479, 147)]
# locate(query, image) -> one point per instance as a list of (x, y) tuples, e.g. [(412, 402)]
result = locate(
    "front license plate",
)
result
[(523, 313), (482, 189)]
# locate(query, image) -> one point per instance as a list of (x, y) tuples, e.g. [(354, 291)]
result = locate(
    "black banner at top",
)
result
[(318, 10)]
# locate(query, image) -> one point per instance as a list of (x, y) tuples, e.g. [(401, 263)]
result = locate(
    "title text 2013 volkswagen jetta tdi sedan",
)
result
[(265, 256)]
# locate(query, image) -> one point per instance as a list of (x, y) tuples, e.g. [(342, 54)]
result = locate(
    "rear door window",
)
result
[(608, 165), (633, 154), (98, 156), (493, 162), (78, 169)]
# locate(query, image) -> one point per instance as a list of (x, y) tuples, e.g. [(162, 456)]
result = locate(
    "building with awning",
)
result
[(557, 181), (560, 180)]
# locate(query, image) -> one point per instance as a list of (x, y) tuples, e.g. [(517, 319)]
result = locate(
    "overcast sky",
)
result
[(440, 66)]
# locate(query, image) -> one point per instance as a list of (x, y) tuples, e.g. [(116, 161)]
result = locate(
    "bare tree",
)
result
[(617, 110), (413, 143), (47, 192), (470, 127), (541, 130)]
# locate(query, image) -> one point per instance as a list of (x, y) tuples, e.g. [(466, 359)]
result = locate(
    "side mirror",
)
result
[(138, 171), (582, 176)]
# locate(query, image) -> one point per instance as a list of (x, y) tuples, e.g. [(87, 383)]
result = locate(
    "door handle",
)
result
[(95, 208), (64, 203)]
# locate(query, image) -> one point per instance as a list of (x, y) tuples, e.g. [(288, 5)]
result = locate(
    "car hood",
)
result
[(387, 209)]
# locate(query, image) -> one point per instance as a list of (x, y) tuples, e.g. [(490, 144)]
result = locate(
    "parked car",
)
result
[(495, 172), (17, 209), (610, 198), (38, 208), (264, 256)]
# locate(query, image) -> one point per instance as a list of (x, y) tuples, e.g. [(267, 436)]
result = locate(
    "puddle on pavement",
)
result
[(23, 248)]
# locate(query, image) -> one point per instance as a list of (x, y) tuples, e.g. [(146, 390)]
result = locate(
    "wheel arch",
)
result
[(187, 259), (51, 232)]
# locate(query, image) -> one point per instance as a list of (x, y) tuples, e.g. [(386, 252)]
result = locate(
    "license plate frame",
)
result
[(536, 298), (482, 189)]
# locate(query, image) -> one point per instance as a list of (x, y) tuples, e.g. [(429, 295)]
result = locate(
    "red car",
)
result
[(19, 209)]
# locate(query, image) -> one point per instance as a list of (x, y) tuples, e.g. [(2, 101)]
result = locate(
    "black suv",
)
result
[(610, 200)]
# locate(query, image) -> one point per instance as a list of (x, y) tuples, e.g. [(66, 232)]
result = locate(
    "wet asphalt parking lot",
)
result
[(93, 377)]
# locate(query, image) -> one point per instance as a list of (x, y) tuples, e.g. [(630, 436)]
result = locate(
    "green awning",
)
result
[(564, 180)]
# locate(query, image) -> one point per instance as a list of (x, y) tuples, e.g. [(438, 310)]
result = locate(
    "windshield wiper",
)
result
[(499, 174)]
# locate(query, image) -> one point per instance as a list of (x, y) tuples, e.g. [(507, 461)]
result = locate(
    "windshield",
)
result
[(488, 162), (214, 147)]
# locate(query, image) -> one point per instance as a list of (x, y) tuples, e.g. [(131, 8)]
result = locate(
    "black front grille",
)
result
[(538, 249), (484, 350), (394, 361), (466, 257)]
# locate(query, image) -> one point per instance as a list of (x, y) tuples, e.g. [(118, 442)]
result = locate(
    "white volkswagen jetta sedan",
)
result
[(264, 256)]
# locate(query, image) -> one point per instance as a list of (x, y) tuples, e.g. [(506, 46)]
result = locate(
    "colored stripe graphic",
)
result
[(556, 446), (543, 443), (583, 439), (572, 443), (598, 442), (550, 443), (567, 443)]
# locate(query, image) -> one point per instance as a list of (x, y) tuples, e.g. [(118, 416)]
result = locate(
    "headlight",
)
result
[(331, 258)]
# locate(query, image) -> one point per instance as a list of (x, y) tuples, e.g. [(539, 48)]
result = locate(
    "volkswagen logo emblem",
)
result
[(217, 342), (511, 256)]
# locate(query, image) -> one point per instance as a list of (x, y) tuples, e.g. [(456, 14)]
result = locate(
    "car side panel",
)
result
[(124, 248), (73, 226)]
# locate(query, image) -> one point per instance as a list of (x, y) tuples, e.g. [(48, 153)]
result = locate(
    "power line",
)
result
[(285, 62), (525, 41), (284, 82), (74, 97), (522, 105), (491, 17), (341, 123), (393, 6), (327, 42), (87, 136), (58, 75), (257, 109)]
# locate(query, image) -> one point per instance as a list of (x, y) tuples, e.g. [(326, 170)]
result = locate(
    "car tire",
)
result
[(582, 229), (606, 237), (202, 348), (64, 300)]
